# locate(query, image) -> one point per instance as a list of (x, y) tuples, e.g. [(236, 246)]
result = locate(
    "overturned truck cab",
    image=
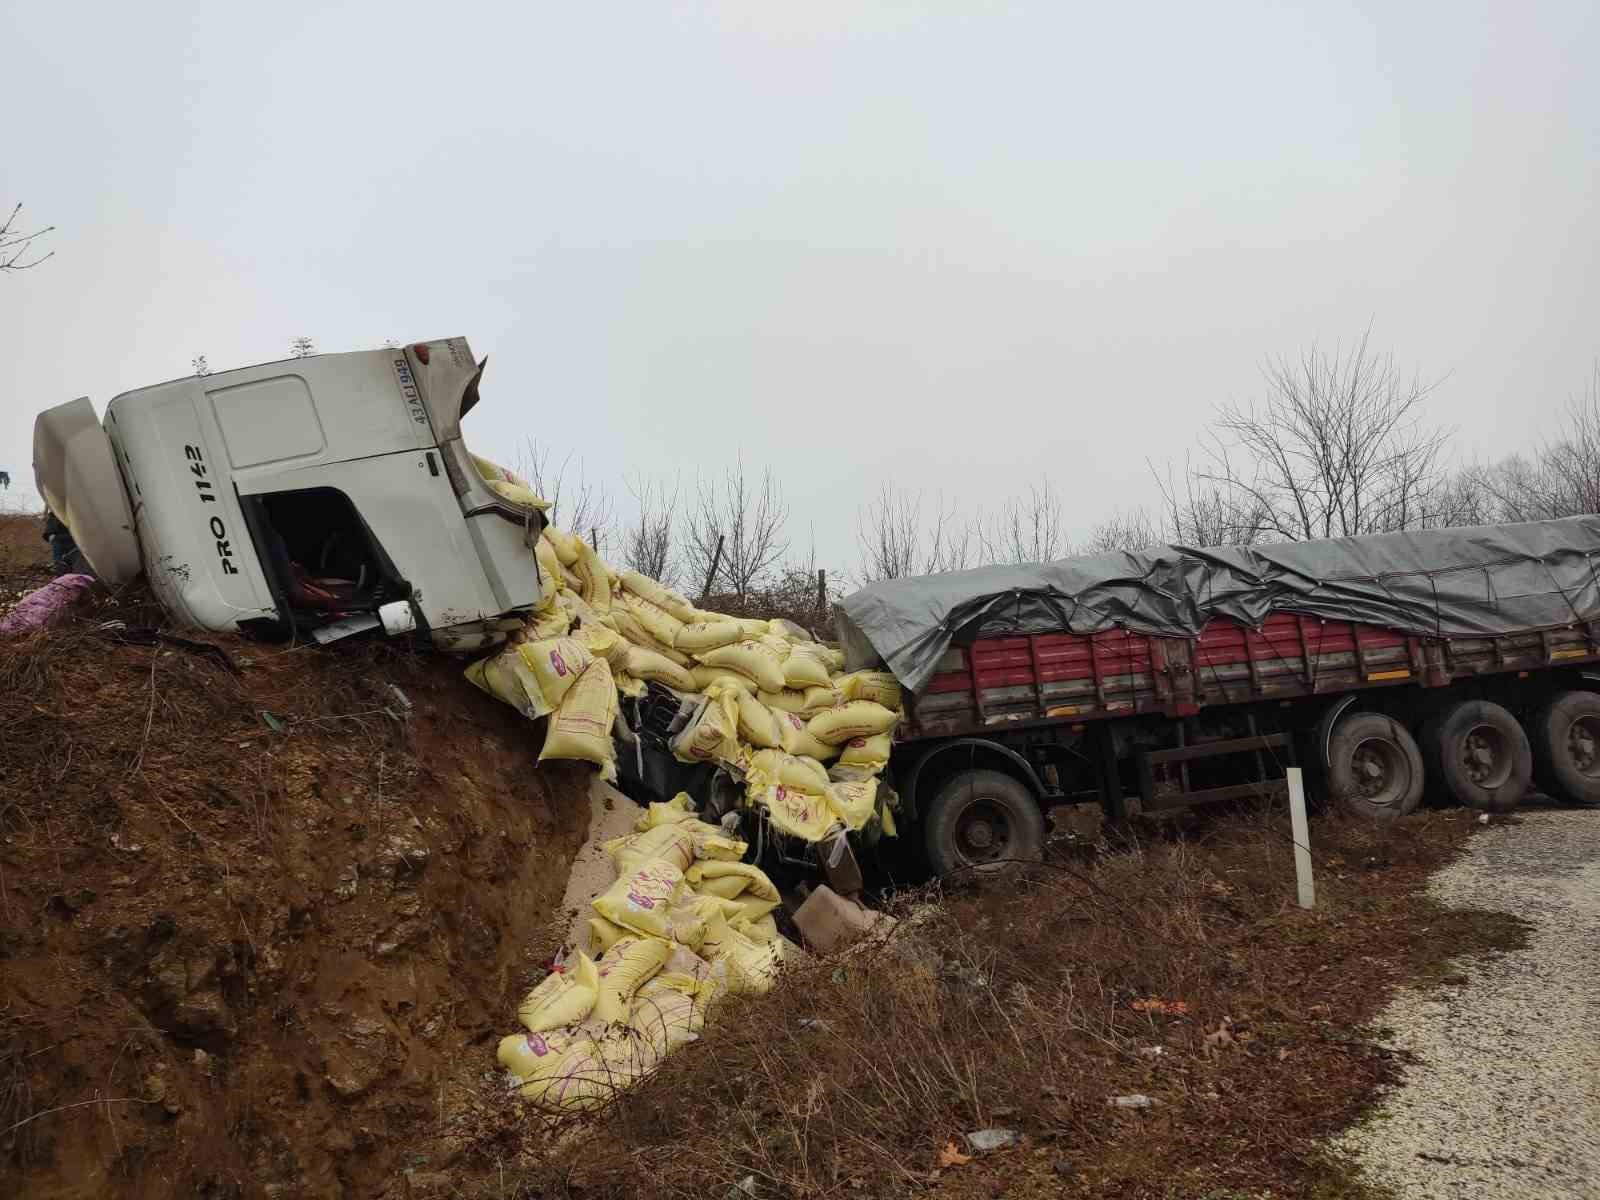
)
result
[(313, 497)]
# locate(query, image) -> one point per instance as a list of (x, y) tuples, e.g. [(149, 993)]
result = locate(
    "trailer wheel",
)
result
[(981, 819), (1566, 747), (1480, 754), (1374, 766)]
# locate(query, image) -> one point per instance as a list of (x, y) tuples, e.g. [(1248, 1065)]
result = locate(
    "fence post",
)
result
[(1302, 839), (711, 575)]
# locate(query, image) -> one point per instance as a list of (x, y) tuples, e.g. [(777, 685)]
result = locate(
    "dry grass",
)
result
[(1022, 1004)]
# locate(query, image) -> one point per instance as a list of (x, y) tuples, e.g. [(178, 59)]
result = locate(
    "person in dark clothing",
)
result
[(63, 550)]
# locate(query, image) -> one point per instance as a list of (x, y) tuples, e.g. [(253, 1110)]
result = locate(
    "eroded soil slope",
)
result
[(254, 926)]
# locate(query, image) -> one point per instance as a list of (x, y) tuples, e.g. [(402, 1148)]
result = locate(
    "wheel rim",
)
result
[(1379, 772), (1583, 746), (983, 831), (1485, 756)]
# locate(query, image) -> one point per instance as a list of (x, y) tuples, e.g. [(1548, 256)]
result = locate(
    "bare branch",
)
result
[(577, 504), (749, 517), (1336, 448), (16, 245), (648, 543), (1029, 529), (1135, 530)]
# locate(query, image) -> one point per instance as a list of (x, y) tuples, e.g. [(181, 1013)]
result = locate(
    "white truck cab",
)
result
[(315, 496)]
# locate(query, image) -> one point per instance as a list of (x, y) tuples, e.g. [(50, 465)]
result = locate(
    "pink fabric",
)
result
[(45, 606)]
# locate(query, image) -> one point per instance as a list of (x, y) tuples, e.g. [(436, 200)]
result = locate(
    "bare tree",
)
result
[(1200, 513), (16, 246), (302, 347), (747, 518), (577, 503), (1337, 447), (201, 367), (648, 542), (896, 543), (1029, 529), (1132, 530)]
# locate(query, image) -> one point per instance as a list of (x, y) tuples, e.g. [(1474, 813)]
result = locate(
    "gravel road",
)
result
[(1505, 1100)]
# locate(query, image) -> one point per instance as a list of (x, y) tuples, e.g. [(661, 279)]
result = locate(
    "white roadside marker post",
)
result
[(1302, 839)]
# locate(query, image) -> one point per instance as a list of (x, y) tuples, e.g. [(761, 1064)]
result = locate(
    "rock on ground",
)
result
[(1505, 1098)]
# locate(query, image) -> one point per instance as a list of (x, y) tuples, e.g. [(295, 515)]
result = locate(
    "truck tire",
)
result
[(980, 819), (1566, 747), (1374, 766), (1478, 753)]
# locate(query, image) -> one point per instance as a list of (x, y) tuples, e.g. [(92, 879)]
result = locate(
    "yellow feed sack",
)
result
[(871, 752), (580, 614), (704, 677), (804, 668), (835, 658), (658, 594), (880, 687), (797, 739), (557, 664), (708, 840), (580, 727), (628, 685), (647, 664), (594, 581), (858, 718), (718, 847), (752, 628), (800, 814), (661, 625), (564, 998), (673, 812), (549, 564), (628, 963), (758, 724), (758, 929), (698, 636), (671, 843), (752, 965), (531, 1056), (751, 659), (781, 646), (783, 701), (552, 621), (624, 621), (639, 901), (603, 934), (820, 700), (505, 678), (788, 629), (775, 766), (566, 546), (853, 803), (589, 1075), (744, 882), (713, 736), (606, 643), (664, 1016), (508, 485)]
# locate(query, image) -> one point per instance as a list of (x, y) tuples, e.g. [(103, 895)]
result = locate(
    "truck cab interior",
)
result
[(322, 562)]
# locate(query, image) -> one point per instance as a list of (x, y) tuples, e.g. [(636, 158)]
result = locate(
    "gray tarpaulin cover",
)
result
[(1448, 582)]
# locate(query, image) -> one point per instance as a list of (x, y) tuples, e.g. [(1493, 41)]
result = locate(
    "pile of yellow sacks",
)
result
[(685, 923), (777, 705)]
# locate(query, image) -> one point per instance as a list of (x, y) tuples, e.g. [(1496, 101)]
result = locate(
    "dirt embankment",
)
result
[(258, 931)]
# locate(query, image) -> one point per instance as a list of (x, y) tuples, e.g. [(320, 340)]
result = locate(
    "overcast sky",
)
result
[(959, 246)]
